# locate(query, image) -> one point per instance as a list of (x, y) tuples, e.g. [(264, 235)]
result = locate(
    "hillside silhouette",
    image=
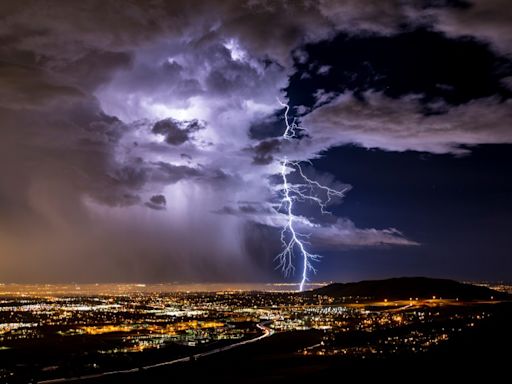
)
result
[(410, 287)]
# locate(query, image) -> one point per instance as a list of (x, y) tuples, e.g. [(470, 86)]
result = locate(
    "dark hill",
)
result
[(407, 287)]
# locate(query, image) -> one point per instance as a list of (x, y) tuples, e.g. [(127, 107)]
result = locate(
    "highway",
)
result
[(263, 326)]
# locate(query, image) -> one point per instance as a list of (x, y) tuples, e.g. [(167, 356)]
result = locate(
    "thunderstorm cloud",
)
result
[(140, 140)]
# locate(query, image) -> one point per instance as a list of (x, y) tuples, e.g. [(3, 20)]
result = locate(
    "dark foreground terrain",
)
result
[(414, 287)]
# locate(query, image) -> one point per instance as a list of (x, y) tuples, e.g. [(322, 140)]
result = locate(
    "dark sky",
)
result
[(144, 142), (459, 207)]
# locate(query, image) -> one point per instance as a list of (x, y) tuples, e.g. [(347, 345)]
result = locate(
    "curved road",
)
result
[(266, 333)]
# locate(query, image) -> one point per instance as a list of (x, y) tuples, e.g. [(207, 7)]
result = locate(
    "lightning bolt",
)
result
[(293, 242)]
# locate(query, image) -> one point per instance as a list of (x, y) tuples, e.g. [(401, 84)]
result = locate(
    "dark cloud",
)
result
[(24, 87), (264, 150), (131, 176), (157, 202), (486, 20), (177, 132), (170, 173), (94, 68), (247, 208)]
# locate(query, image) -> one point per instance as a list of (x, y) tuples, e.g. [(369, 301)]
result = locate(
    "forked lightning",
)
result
[(293, 241)]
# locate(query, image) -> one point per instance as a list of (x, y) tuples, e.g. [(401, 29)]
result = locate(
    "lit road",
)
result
[(266, 333)]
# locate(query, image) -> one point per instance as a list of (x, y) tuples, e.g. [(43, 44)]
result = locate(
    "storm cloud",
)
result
[(136, 118)]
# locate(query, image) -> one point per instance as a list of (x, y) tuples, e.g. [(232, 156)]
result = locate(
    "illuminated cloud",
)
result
[(129, 117), (400, 125)]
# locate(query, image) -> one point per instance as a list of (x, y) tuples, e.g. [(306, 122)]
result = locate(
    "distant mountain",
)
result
[(407, 287)]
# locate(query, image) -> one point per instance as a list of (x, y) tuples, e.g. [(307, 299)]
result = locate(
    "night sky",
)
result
[(143, 141)]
